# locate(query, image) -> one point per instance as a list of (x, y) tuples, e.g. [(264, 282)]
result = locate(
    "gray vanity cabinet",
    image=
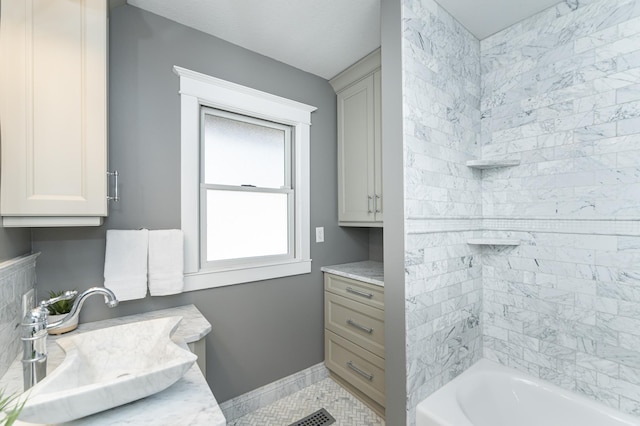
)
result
[(354, 337)]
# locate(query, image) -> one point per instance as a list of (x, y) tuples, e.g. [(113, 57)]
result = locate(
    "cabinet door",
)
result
[(377, 143), (356, 152), (53, 111)]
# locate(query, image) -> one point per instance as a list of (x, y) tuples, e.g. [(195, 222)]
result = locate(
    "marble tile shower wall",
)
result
[(17, 276), (561, 92), (566, 307), (443, 290), (441, 87)]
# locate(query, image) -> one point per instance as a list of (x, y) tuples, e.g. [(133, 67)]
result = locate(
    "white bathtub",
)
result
[(489, 394)]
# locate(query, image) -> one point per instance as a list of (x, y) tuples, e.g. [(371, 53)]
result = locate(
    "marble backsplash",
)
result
[(17, 276)]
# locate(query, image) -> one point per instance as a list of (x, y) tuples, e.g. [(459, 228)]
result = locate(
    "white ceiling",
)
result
[(322, 37), (486, 17)]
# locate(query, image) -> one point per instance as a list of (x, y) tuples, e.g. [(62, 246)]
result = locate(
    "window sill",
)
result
[(210, 279)]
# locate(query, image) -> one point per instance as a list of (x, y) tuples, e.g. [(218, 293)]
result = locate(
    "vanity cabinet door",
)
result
[(53, 112), (361, 370), (355, 322)]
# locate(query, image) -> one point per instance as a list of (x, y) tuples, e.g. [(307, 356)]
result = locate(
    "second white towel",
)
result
[(166, 262), (125, 263)]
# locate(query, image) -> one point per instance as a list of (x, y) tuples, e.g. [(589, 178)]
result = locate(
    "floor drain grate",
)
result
[(319, 418)]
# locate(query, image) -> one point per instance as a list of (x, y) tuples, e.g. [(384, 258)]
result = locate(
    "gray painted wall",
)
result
[(262, 331), (14, 242), (376, 244)]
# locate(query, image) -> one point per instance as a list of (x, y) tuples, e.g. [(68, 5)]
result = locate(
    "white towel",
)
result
[(125, 263), (166, 262)]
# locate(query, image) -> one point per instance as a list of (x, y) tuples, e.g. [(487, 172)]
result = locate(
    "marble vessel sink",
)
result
[(109, 367)]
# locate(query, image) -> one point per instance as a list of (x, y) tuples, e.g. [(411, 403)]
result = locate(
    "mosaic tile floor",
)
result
[(344, 407)]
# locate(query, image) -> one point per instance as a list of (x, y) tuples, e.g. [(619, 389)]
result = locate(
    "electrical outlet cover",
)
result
[(28, 301)]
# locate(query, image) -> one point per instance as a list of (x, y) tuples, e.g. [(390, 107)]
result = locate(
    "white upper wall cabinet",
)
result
[(360, 201), (53, 112)]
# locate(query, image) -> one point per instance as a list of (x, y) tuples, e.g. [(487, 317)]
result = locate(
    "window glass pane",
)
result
[(246, 224), (239, 153)]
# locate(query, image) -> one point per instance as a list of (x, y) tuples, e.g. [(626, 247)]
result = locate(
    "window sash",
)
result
[(229, 264), (288, 140), (244, 262)]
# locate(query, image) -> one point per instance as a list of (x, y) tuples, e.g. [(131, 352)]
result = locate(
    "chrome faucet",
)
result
[(34, 331)]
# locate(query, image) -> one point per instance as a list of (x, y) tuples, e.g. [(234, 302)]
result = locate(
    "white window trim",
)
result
[(196, 90)]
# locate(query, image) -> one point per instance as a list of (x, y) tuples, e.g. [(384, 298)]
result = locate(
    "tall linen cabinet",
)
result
[(360, 199)]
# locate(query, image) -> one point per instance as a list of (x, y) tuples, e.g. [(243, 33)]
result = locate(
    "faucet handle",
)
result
[(67, 295)]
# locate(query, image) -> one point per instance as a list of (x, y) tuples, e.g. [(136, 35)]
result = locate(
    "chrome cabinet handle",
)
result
[(360, 372), (369, 198), (375, 204), (115, 198), (360, 327), (359, 293)]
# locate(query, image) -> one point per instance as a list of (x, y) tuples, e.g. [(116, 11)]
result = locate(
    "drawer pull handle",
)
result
[(359, 293), (360, 372), (360, 327)]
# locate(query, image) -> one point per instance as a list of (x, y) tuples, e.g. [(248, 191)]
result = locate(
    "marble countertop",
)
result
[(369, 271), (189, 401), (193, 327)]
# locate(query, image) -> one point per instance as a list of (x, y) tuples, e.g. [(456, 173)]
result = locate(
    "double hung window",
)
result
[(245, 186), (247, 197)]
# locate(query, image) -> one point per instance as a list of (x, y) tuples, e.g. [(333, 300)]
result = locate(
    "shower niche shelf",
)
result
[(493, 242), (491, 164)]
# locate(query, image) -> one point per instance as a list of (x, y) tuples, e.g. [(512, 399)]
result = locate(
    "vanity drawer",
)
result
[(355, 321), (355, 365), (369, 294)]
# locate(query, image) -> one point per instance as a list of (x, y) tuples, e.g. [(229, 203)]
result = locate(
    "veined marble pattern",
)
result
[(344, 407), (189, 401), (443, 290), (565, 308), (368, 271), (441, 68), (143, 351), (262, 397), (193, 326), (560, 92), (17, 276)]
